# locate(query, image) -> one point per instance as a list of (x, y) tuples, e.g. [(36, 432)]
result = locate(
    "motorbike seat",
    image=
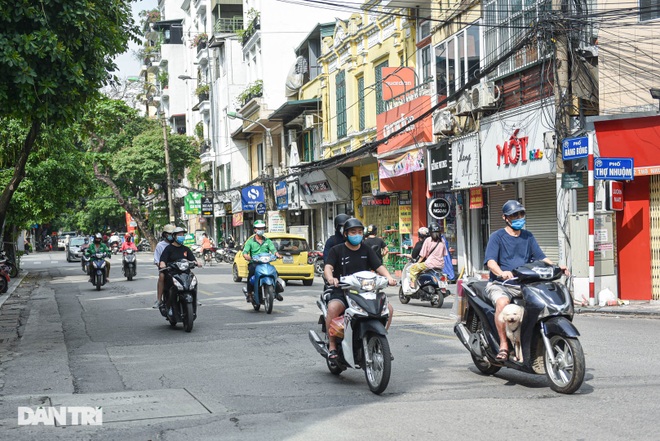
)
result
[(480, 289)]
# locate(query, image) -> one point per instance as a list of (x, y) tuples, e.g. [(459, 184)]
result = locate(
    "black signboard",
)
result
[(207, 206), (439, 208), (439, 174)]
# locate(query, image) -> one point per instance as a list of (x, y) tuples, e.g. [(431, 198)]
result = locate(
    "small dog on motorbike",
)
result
[(512, 316)]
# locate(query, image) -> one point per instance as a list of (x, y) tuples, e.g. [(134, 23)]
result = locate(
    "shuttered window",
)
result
[(654, 184), (361, 116), (341, 104), (380, 104), (541, 204)]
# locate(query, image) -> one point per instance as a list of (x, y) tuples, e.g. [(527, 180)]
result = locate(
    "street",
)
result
[(244, 375)]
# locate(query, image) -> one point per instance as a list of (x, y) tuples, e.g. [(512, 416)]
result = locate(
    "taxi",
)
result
[(293, 264)]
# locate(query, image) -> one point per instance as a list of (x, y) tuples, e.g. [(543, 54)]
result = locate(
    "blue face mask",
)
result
[(518, 224), (169, 237), (180, 239), (355, 240), (260, 233)]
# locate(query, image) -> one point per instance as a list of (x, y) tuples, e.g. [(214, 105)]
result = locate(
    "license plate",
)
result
[(287, 259)]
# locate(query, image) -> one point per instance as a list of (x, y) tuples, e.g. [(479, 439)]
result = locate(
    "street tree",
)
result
[(55, 56)]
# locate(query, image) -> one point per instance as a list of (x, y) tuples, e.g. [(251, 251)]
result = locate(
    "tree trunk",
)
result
[(19, 170), (126, 205)]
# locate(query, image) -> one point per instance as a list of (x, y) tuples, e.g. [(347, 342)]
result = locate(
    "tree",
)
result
[(55, 56)]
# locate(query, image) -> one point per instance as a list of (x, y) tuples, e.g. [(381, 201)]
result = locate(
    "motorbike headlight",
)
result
[(353, 305), (367, 284), (193, 283), (183, 265), (177, 284)]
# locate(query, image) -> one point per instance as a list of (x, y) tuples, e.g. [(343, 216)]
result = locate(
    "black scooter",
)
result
[(549, 339), (97, 270), (181, 305), (129, 264)]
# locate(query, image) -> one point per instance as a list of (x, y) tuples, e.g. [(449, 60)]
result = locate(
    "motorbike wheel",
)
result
[(378, 363), (437, 300), (98, 283), (256, 306), (130, 275), (188, 318), (172, 322), (269, 297), (402, 297), (218, 258), (318, 267), (13, 271), (484, 367), (567, 375), (234, 273)]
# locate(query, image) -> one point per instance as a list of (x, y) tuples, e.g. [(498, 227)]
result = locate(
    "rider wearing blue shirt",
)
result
[(507, 249)]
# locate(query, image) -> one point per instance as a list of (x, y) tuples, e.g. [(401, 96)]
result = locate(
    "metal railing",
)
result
[(224, 25)]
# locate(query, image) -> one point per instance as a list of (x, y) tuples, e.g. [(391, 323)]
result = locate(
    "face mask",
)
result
[(260, 232), (355, 240), (180, 239), (518, 224), (169, 237)]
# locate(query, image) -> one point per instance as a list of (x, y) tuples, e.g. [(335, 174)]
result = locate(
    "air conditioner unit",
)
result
[(483, 96), (309, 122), (443, 123), (464, 105)]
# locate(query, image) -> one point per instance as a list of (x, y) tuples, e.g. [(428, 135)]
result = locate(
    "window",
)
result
[(380, 104), (228, 175), (457, 60), (361, 117), (426, 63), (341, 103), (308, 147), (260, 159), (441, 69), (649, 9)]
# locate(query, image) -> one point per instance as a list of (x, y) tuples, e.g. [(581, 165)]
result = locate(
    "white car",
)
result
[(63, 239)]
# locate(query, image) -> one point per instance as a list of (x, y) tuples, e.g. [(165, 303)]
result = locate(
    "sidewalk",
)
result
[(635, 307)]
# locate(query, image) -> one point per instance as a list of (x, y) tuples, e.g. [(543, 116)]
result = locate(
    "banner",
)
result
[(293, 194), (237, 219), (281, 195), (251, 196), (130, 223), (235, 198), (193, 203), (402, 165), (276, 222), (405, 219)]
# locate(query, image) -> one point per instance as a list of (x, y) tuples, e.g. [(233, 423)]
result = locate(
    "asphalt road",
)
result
[(247, 375)]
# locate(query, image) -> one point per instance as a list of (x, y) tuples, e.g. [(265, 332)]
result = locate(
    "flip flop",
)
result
[(503, 355), (332, 355)]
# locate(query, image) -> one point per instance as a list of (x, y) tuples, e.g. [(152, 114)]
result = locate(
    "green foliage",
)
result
[(202, 89), (163, 78), (252, 18), (200, 39), (199, 130), (253, 90)]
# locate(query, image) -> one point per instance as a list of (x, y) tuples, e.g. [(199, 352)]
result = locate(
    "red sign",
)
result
[(615, 196), (476, 198), (402, 117), (397, 81), (130, 223)]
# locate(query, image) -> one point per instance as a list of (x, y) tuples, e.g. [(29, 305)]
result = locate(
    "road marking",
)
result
[(428, 333)]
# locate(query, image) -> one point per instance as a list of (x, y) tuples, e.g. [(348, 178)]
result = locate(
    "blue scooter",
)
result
[(431, 286), (265, 282)]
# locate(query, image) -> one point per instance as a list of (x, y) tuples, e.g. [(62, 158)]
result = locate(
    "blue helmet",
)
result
[(512, 207)]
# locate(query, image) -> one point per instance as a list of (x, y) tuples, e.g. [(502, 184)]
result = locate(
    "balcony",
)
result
[(228, 25), (252, 29)]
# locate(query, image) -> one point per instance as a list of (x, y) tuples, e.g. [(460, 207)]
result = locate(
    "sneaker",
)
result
[(170, 312), (156, 304), (279, 297)]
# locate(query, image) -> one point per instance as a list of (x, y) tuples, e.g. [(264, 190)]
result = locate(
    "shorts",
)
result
[(497, 290), (338, 294)]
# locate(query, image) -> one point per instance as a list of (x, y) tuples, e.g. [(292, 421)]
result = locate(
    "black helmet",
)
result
[(352, 223), (434, 227), (512, 207), (340, 219), (372, 230)]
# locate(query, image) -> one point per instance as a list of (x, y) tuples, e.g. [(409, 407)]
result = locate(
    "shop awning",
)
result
[(293, 109), (637, 138)]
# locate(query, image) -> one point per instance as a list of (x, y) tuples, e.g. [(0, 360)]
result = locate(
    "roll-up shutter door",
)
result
[(583, 194), (496, 198), (654, 184), (541, 204)]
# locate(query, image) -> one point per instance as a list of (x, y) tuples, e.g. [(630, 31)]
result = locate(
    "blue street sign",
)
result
[(575, 148), (260, 208), (251, 196), (614, 169)]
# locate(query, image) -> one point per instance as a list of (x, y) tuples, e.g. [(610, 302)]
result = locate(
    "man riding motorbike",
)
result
[(422, 233), (165, 239), (258, 244), (173, 252), (338, 237), (97, 246)]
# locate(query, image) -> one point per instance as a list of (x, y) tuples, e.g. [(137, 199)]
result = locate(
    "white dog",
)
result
[(512, 316)]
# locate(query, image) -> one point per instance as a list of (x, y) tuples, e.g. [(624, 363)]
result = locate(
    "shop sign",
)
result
[(192, 203), (260, 208), (207, 206), (615, 196), (374, 183), (405, 219), (409, 162), (237, 219), (575, 148), (276, 222), (235, 198), (571, 180), (476, 198), (405, 198), (397, 81), (371, 201), (404, 117), (439, 208), (189, 239), (316, 188), (293, 195), (281, 196), (366, 184), (251, 196), (439, 170), (512, 144), (465, 162)]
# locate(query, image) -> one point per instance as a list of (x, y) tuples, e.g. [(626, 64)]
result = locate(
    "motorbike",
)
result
[(549, 340), (181, 300), (208, 255), (316, 258), (97, 269), (431, 286), (114, 248), (84, 260), (144, 245), (229, 254), (9, 263), (197, 250), (129, 264), (265, 283), (361, 335), (219, 255), (4, 276)]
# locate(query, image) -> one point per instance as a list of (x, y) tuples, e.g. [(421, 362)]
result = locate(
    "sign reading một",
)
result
[(439, 208), (575, 148), (614, 169)]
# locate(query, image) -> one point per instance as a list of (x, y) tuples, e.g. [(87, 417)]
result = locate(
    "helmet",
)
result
[(371, 230), (178, 230), (259, 224), (340, 219), (169, 228), (98, 236), (423, 232), (512, 207), (434, 227), (352, 223)]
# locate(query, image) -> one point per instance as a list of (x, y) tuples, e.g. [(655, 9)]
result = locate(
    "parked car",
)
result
[(73, 252), (292, 266), (63, 238)]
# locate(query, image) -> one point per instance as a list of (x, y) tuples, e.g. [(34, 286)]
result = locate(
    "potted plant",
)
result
[(202, 92), (252, 91), (200, 40)]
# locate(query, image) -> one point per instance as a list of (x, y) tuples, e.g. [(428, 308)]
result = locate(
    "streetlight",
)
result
[(655, 94), (268, 145)]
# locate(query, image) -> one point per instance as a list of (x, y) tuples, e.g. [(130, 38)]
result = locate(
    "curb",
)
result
[(13, 284), (641, 312)]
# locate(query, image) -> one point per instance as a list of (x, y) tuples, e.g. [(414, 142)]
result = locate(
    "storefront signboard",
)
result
[(405, 219), (237, 219), (372, 201), (476, 198), (405, 198), (614, 169), (439, 169), (251, 196), (374, 184), (281, 195), (614, 196), (397, 81), (439, 208), (316, 188), (512, 144), (409, 162), (402, 120), (192, 203), (235, 198), (465, 162), (293, 195), (276, 222), (207, 206), (571, 180)]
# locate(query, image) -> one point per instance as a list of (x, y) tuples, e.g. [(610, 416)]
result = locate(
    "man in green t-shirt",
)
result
[(255, 245), (97, 246)]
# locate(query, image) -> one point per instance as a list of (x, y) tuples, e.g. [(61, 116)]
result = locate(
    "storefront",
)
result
[(298, 217), (516, 165), (638, 224), (323, 192)]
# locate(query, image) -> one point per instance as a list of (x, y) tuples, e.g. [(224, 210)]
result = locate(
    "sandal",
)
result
[(503, 355), (332, 355)]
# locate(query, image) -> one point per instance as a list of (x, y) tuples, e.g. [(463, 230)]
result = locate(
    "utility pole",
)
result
[(170, 205)]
